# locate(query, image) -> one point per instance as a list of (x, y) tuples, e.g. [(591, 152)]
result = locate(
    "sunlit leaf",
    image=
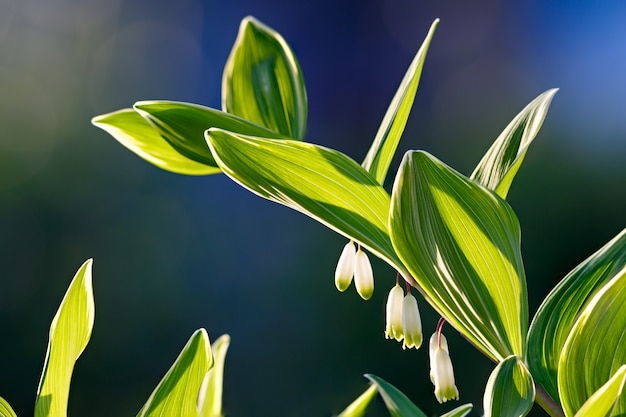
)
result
[(397, 403), (358, 406), (69, 334), (7, 411), (500, 164), (183, 125), (460, 411), (263, 82), (595, 348), (136, 134), (386, 141), (210, 395), (602, 402), (461, 243), (177, 393), (510, 390), (319, 182), (558, 312)]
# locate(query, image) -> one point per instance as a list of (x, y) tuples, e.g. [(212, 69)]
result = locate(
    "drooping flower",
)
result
[(394, 313), (363, 275), (441, 370), (411, 323), (345, 267)]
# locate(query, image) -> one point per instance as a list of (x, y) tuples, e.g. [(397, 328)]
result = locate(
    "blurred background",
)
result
[(175, 253)]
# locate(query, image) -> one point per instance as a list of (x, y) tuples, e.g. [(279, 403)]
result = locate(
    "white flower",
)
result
[(411, 323), (345, 267), (441, 370), (433, 344), (363, 275), (394, 313)]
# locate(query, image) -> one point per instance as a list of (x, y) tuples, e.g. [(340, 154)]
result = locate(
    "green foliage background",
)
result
[(175, 253)]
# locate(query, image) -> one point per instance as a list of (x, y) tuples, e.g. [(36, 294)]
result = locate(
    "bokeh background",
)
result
[(175, 253)]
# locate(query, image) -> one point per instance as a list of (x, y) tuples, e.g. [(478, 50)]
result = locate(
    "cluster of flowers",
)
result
[(404, 323)]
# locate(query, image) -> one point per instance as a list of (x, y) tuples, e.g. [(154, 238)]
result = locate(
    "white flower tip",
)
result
[(363, 275), (345, 267)]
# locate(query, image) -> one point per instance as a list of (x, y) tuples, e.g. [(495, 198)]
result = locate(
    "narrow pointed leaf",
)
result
[(136, 134), (177, 393), (500, 164), (5, 409), (383, 148), (596, 347), (69, 334), (461, 243), (210, 395), (557, 314), (263, 82), (460, 411), (319, 182), (602, 402), (358, 406), (397, 403), (183, 125), (510, 390)]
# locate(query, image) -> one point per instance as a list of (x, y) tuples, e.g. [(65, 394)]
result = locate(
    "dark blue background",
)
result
[(175, 253)]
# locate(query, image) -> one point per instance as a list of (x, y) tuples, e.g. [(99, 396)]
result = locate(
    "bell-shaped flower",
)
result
[(434, 343), (394, 313), (345, 267), (411, 323), (442, 372), (363, 275)]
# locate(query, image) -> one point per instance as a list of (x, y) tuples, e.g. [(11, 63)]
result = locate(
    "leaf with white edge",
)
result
[(557, 314), (319, 182), (137, 135), (602, 402), (210, 395), (5, 409), (460, 411), (397, 403), (358, 406), (69, 334), (595, 348), (461, 243), (177, 393), (183, 125), (510, 390), (500, 164), (385, 143), (262, 81)]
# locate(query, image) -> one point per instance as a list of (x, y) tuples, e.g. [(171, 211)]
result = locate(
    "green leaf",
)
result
[(69, 334), (136, 134), (557, 314), (510, 390), (397, 403), (461, 243), (5, 409), (358, 406), (602, 402), (210, 395), (177, 393), (500, 164), (460, 411), (183, 125), (319, 182), (383, 148), (595, 348), (263, 82)]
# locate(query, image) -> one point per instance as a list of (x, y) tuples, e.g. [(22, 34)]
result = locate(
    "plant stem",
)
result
[(547, 403)]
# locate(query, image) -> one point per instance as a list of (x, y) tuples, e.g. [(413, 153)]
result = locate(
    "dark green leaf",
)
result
[(510, 390), (358, 406), (397, 403)]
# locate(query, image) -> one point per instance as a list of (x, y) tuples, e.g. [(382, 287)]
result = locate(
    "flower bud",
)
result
[(441, 370), (394, 313), (411, 323), (363, 275), (345, 267)]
